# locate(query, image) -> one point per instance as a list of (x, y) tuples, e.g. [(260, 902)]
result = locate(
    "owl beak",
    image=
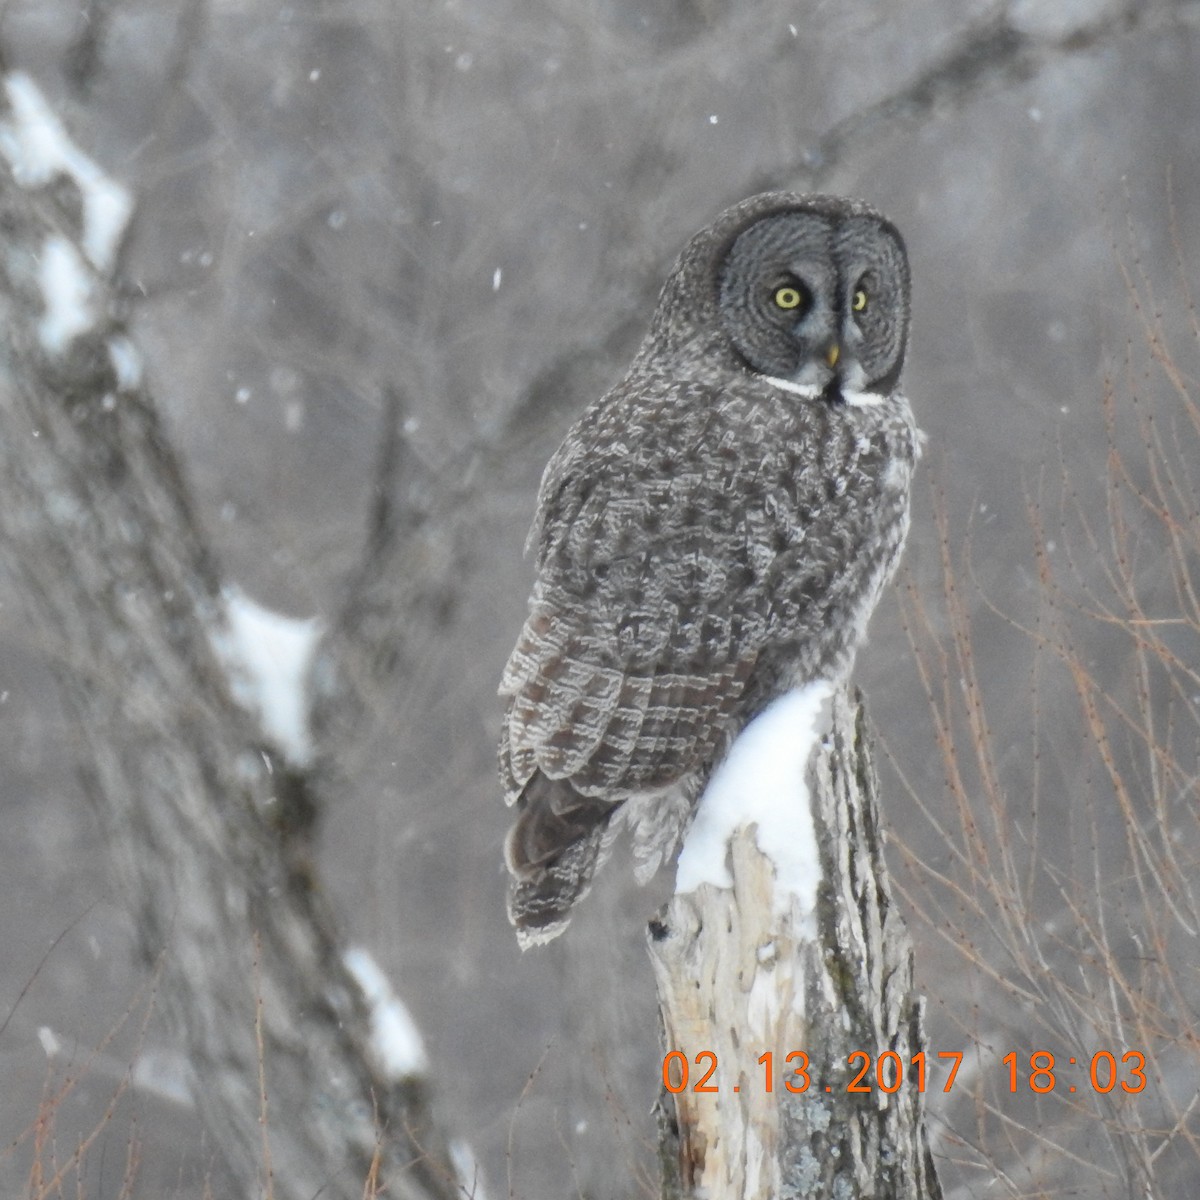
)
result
[(833, 353)]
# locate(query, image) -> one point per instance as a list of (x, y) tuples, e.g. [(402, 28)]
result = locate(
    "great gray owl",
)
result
[(713, 532)]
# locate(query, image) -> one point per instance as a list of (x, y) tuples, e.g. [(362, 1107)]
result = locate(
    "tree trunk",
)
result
[(743, 987), (208, 827)]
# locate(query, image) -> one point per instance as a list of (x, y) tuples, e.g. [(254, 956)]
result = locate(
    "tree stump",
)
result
[(780, 1013)]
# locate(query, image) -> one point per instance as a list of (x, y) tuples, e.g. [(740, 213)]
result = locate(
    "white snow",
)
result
[(470, 1177), (266, 656), (762, 783), (126, 363), (66, 293), (395, 1039), (49, 1039), (166, 1074), (38, 149)]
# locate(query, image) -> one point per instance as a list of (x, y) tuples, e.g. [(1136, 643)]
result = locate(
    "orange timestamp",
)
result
[(887, 1072)]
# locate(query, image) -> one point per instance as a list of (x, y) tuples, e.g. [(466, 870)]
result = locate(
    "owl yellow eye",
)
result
[(788, 297), (859, 303)]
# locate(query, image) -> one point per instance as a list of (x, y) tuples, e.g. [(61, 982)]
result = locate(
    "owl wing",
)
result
[(615, 728), (635, 654)]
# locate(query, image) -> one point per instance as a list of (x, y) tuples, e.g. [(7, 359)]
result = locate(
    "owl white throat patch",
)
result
[(810, 391)]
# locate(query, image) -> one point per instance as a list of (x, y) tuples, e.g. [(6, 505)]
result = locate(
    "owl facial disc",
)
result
[(816, 301)]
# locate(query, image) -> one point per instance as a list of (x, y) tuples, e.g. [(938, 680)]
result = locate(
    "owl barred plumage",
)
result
[(713, 532)]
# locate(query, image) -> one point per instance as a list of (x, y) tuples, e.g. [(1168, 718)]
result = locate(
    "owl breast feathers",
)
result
[(713, 532)]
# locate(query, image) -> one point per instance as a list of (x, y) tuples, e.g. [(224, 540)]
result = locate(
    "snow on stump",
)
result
[(794, 1053)]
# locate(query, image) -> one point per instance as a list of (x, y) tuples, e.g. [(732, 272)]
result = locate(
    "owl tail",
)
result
[(552, 851)]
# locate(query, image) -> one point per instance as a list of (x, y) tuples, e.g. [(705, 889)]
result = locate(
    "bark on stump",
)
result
[(736, 979)]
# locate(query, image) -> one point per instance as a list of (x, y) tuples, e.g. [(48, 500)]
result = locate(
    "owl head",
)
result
[(811, 293)]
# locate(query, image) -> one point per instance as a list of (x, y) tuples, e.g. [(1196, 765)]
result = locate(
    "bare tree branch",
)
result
[(993, 53), (399, 597)]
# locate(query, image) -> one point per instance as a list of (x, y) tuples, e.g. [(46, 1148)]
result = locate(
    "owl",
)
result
[(713, 532)]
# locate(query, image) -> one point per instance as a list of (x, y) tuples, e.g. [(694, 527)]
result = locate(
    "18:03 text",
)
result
[(887, 1072)]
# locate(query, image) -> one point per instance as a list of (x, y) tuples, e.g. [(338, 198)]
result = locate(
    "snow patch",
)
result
[(762, 783), (467, 1168), (126, 363), (266, 657), (166, 1074), (38, 149), (395, 1039), (66, 294), (49, 1039)]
